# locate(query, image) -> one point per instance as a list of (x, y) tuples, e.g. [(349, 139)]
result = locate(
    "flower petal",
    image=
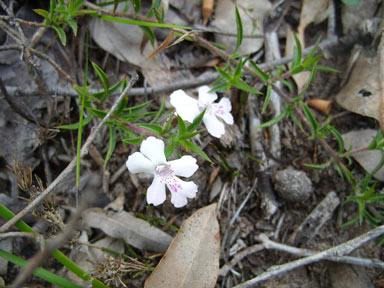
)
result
[(222, 110), (153, 149), (138, 163), (185, 166), (156, 192), (186, 106), (214, 126), (205, 97), (178, 200), (188, 188)]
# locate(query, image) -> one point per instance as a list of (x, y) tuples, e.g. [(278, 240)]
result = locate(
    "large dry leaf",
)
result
[(362, 94), (192, 259), (225, 21), (367, 159), (134, 231)]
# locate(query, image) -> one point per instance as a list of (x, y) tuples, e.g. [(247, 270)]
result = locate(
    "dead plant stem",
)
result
[(337, 251)]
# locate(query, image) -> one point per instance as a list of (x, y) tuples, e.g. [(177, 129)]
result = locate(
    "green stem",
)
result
[(79, 136), (59, 256)]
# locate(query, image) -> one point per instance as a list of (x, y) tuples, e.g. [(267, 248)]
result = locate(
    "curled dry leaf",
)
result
[(192, 259), (367, 159), (134, 231)]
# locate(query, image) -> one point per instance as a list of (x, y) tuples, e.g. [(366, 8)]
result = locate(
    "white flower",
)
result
[(151, 159), (189, 108)]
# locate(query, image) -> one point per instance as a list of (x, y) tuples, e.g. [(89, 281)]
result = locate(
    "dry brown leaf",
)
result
[(167, 41), (192, 259), (206, 10), (362, 94), (134, 231), (367, 159)]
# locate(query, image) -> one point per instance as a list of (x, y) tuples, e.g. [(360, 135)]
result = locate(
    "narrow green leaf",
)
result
[(259, 72), (76, 125), (192, 134), (157, 129), (196, 122), (133, 141), (39, 272), (287, 84), (310, 117), (319, 166), (111, 144), (339, 139), (103, 77), (182, 126), (77, 5), (160, 112), (169, 150), (197, 150), (73, 26), (297, 52), (52, 10), (239, 27), (351, 2), (274, 120), (224, 74), (96, 112), (136, 5), (243, 86), (42, 12), (267, 97), (326, 69), (141, 23), (60, 31), (149, 33)]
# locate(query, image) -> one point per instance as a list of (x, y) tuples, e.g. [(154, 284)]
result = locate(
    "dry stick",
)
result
[(381, 79), (336, 251), (240, 256), (72, 164), (183, 84), (369, 263)]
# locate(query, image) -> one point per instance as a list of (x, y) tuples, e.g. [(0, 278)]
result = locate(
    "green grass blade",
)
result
[(111, 144), (39, 272), (239, 26), (59, 256), (141, 23)]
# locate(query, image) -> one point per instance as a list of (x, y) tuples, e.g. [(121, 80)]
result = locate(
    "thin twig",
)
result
[(72, 164), (337, 251), (369, 263)]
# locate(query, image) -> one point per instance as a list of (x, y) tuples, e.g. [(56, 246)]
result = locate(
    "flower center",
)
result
[(167, 176)]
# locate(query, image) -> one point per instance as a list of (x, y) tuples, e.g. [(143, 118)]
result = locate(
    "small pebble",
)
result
[(292, 185)]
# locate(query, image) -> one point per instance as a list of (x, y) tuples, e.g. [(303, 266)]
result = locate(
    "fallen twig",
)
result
[(337, 251), (72, 164)]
